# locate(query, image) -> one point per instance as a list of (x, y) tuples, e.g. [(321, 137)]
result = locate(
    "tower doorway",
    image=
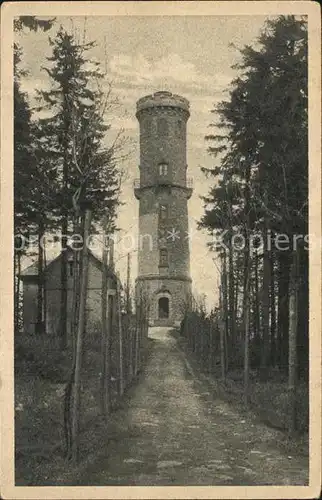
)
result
[(163, 308)]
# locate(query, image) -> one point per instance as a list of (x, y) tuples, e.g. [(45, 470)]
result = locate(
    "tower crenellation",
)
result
[(163, 99)]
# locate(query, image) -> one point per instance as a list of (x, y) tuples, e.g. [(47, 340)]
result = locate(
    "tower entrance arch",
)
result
[(163, 308)]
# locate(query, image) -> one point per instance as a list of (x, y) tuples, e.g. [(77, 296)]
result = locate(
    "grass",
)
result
[(41, 373), (268, 401)]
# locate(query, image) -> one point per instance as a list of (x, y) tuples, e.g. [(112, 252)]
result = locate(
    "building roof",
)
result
[(32, 270)]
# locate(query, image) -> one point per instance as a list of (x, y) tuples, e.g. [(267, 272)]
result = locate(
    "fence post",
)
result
[(79, 340), (120, 337), (104, 320)]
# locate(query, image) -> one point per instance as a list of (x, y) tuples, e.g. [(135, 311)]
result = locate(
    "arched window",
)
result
[(163, 169), (164, 257), (163, 304)]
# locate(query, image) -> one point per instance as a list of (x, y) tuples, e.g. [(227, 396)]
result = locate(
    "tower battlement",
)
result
[(162, 99)]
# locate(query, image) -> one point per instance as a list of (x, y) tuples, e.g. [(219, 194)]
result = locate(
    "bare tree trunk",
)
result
[(108, 359), (120, 335), (283, 309), (303, 316), (45, 286), (225, 310), (246, 323), (129, 313), (16, 291), (137, 330), (236, 292), (40, 303), (256, 298), (76, 291), (266, 303), (104, 321), (211, 347), (128, 278), (232, 299), (73, 328), (63, 298), (273, 312), (79, 340), (222, 338), (292, 372), (246, 295), (17, 301)]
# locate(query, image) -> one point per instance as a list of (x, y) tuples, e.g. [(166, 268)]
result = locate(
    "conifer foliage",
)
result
[(73, 134), (261, 194)]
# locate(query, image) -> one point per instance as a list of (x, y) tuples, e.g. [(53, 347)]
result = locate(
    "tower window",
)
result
[(162, 126), (163, 304), (163, 212), (180, 128), (71, 267), (163, 169), (164, 257)]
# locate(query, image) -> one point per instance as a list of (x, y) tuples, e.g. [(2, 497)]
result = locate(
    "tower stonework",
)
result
[(163, 191)]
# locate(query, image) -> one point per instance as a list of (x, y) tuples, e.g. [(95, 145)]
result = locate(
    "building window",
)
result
[(163, 257), (163, 169), (163, 304), (71, 267), (162, 127), (163, 212)]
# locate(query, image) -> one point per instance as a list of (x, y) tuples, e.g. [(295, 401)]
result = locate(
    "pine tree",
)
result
[(72, 138), (28, 210), (264, 137)]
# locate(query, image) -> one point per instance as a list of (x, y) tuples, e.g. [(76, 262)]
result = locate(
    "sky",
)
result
[(187, 55)]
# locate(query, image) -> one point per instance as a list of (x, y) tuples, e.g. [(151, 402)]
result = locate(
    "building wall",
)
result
[(163, 139), (178, 292), (53, 297), (30, 290), (163, 118), (155, 234)]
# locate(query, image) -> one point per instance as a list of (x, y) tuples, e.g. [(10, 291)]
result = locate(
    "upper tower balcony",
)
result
[(161, 181)]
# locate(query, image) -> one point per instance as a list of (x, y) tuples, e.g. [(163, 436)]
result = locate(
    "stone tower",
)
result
[(163, 191)]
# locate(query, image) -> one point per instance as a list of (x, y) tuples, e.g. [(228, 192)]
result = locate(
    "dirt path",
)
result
[(172, 432)]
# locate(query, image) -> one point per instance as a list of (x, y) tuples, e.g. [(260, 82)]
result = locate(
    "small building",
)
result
[(52, 293)]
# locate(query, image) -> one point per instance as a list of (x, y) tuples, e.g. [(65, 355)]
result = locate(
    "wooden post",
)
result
[(128, 278), (64, 278), (45, 286), (129, 326), (40, 292), (210, 353), (137, 327), (79, 340), (104, 345), (111, 253), (121, 374)]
